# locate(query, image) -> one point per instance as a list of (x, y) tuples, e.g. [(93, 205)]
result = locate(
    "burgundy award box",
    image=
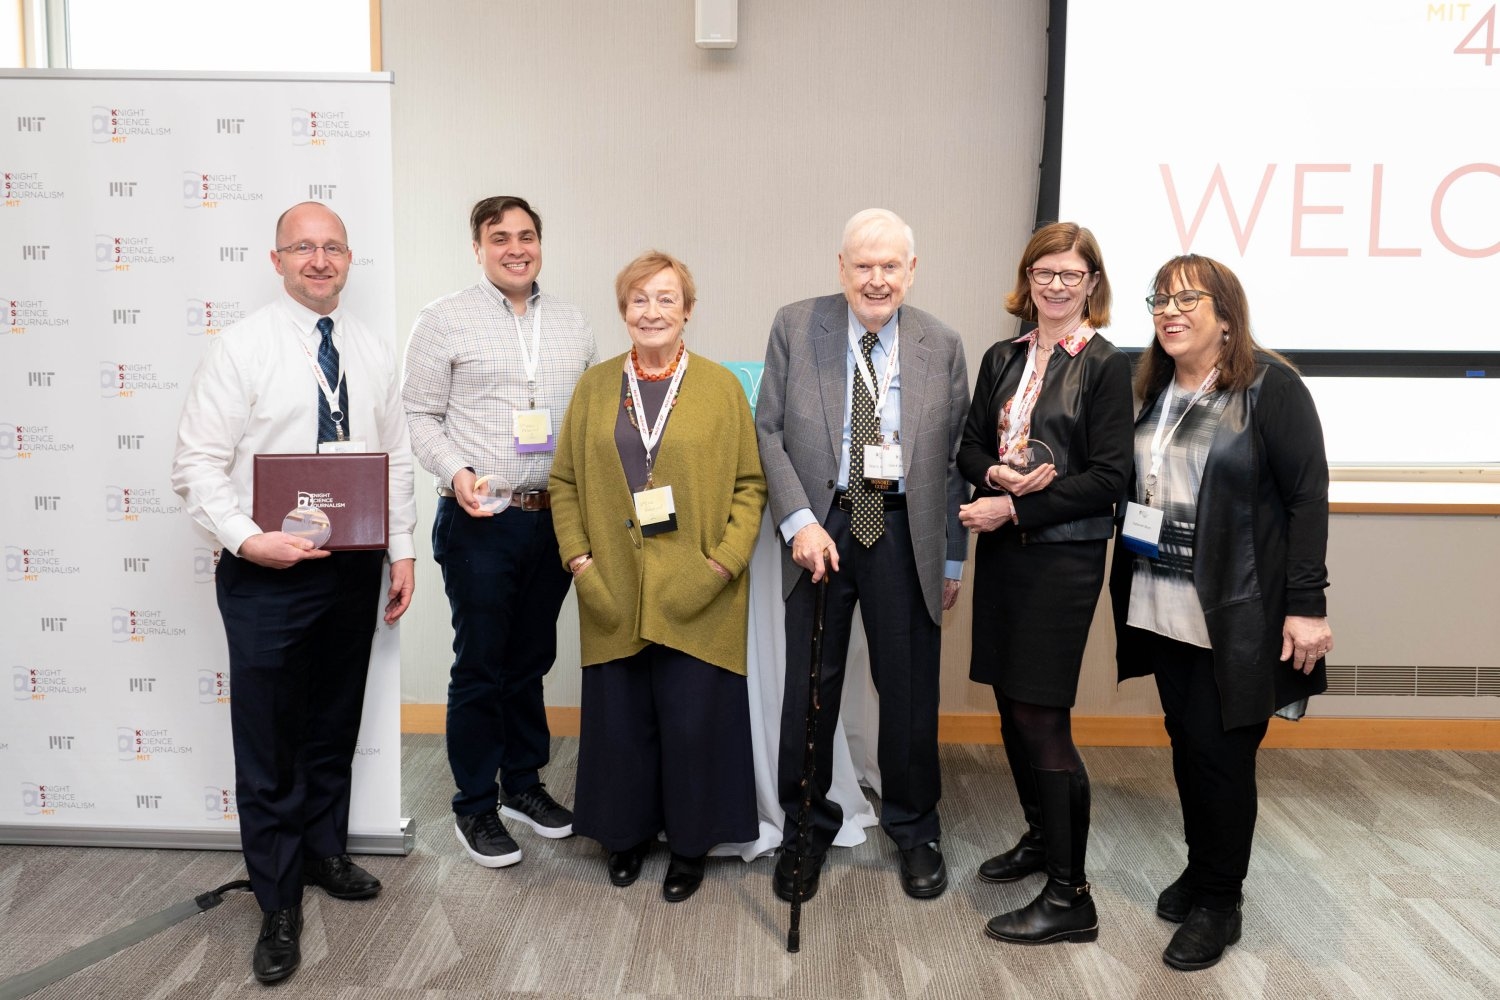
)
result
[(349, 487)]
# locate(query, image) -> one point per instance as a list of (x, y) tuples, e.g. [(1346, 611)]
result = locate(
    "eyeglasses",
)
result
[(1187, 301), (1044, 276), (308, 249)]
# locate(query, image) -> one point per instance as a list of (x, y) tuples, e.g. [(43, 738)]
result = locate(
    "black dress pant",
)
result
[(299, 650), (905, 659), (1215, 772)]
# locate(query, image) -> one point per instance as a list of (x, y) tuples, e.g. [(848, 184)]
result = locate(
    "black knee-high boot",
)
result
[(1064, 909), (1030, 853)]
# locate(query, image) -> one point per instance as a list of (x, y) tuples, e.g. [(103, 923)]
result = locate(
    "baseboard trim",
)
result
[(1140, 730)]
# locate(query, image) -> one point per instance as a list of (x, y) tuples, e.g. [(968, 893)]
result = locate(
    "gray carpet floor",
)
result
[(1376, 874)]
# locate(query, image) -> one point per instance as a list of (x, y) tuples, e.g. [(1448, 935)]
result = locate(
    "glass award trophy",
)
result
[(310, 523), (1026, 454), (493, 493)]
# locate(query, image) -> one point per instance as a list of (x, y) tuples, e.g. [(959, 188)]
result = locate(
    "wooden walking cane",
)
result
[(809, 766)]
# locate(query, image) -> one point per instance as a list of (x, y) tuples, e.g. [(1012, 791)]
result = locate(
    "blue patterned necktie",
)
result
[(328, 360), (867, 506)]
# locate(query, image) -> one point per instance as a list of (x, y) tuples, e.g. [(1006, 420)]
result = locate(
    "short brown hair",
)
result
[(490, 209), (1060, 237), (647, 266), (1236, 362)]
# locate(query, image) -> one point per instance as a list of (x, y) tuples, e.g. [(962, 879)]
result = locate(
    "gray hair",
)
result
[(872, 223)]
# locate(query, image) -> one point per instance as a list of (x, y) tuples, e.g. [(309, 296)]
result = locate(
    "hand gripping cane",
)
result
[(809, 766)]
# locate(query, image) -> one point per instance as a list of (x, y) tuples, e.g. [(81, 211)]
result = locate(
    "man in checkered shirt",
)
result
[(489, 372)]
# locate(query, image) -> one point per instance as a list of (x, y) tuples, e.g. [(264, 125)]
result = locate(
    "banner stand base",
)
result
[(401, 841)]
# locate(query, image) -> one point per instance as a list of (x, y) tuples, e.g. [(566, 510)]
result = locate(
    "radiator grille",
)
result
[(1413, 681)]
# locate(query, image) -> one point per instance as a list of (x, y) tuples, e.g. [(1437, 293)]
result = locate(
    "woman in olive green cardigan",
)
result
[(663, 599)]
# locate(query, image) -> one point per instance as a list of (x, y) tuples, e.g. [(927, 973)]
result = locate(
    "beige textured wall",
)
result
[(745, 163)]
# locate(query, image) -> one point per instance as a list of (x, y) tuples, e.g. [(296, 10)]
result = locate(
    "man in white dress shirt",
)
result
[(299, 620)]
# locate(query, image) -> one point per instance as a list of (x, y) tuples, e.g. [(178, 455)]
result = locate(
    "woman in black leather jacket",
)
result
[(1223, 598), (1039, 564)]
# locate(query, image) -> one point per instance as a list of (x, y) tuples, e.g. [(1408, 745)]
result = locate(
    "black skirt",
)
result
[(1033, 605)]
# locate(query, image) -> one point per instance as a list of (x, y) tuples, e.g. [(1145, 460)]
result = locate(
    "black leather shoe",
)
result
[(277, 952), (923, 874), (1202, 938), (684, 876), (1059, 913), (625, 866), (340, 877), (782, 879), (1028, 856), (1176, 900)]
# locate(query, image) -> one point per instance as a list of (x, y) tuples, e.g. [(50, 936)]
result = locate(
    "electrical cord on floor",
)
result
[(97, 950)]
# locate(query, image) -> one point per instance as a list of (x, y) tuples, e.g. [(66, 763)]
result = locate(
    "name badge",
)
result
[(1142, 530), (655, 511), (883, 462), (533, 431), (355, 446)]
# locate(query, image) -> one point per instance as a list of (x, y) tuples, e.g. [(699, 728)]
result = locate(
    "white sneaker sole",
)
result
[(550, 832), (488, 860)]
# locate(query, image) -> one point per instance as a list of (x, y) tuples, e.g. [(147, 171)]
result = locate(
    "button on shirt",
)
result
[(465, 379), (255, 393), (890, 421)]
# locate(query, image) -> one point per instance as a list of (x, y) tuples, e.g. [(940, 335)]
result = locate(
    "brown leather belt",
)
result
[(893, 501), (529, 500)]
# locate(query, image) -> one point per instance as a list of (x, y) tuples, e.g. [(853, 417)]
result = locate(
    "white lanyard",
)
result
[(329, 392), (530, 359), (651, 437), (1163, 437), (883, 393)]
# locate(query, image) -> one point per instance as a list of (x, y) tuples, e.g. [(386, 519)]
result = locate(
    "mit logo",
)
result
[(232, 254), (321, 192), (142, 685), (129, 442), (122, 189), (148, 801), (124, 317), (29, 123), (35, 251), (229, 126), (45, 503), (59, 743), (54, 624), (39, 380), (136, 564)]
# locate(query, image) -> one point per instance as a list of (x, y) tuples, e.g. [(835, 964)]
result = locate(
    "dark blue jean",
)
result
[(505, 585)]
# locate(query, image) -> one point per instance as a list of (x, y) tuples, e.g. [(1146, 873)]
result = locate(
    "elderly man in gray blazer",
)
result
[(859, 417)]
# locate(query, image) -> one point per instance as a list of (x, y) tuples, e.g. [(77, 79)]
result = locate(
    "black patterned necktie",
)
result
[(866, 506), (328, 360)]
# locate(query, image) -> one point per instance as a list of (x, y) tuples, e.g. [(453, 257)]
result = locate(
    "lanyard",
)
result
[(881, 394), (1163, 437), (530, 359), (651, 437), (329, 392), (1019, 422)]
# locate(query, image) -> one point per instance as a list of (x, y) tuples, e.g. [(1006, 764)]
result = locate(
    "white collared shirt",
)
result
[(255, 393)]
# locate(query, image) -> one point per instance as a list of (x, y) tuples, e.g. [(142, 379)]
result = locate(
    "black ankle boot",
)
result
[(1064, 909), (1030, 853), (1202, 938)]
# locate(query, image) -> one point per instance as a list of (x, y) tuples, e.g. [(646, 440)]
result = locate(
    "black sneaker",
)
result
[(483, 836), (540, 811)]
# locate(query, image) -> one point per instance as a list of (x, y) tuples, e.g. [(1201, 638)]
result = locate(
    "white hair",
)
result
[(869, 225)]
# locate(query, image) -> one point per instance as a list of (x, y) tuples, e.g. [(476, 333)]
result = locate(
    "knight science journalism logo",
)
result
[(45, 800), (26, 440), (127, 378), (23, 314), (132, 743), (133, 625), (121, 253), (129, 503), (21, 186), (206, 317), (213, 687), (208, 190), (28, 564), (121, 124), (41, 683), (312, 127), (219, 803)]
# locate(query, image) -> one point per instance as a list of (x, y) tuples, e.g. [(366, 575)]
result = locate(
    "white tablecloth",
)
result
[(854, 759)]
